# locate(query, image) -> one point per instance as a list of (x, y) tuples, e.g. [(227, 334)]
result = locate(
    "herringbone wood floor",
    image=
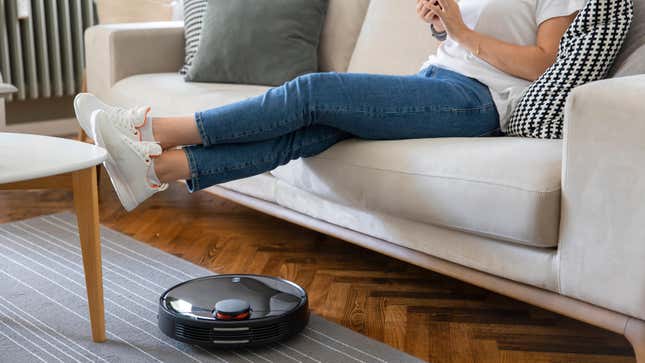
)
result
[(433, 317)]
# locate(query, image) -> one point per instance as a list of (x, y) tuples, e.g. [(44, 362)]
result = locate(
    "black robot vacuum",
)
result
[(228, 311)]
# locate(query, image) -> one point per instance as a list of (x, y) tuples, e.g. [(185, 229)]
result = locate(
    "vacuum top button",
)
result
[(232, 309)]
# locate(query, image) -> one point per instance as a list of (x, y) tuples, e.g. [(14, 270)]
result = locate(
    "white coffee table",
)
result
[(41, 162)]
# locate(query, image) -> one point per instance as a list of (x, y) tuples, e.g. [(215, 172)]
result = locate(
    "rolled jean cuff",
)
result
[(192, 183), (199, 120)]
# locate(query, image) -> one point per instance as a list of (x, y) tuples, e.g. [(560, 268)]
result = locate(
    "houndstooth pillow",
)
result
[(194, 11), (587, 51)]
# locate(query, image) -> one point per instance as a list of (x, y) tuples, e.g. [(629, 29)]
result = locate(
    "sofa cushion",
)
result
[(507, 188), (169, 95), (340, 31), (393, 39)]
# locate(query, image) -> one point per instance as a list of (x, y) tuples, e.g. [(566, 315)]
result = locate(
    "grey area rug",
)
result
[(43, 311)]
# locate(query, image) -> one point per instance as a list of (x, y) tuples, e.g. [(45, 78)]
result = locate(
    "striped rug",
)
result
[(43, 311)]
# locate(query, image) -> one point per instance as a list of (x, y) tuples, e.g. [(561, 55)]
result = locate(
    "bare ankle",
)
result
[(171, 132), (158, 134), (172, 165)]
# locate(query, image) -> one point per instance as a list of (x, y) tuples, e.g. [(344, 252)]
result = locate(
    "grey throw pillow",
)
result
[(631, 60), (258, 41)]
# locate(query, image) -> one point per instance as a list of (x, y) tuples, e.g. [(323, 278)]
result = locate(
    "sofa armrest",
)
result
[(117, 51), (602, 236)]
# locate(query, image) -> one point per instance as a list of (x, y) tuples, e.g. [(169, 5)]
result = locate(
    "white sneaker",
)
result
[(86, 103), (130, 162)]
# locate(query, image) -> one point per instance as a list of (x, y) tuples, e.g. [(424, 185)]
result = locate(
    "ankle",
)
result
[(170, 132), (172, 165), (157, 133), (160, 170)]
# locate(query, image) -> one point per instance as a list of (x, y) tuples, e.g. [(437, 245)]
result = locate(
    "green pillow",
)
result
[(258, 41)]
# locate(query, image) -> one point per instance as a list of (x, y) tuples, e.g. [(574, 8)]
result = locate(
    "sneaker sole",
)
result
[(123, 191)]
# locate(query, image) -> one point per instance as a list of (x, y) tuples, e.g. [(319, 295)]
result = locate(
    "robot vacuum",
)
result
[(228, 311)]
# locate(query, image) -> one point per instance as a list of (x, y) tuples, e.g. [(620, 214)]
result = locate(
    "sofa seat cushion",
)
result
[(169, 95), (506, 188)]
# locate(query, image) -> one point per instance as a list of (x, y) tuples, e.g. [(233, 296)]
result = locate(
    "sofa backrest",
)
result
[(393, 40), (340, 31), (385, 36), (631, 59)]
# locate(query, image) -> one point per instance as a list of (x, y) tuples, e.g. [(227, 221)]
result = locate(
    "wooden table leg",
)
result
[(87, 213), (82, 136)]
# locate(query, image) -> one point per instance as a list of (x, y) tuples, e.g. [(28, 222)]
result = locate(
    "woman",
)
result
[(493, 50)]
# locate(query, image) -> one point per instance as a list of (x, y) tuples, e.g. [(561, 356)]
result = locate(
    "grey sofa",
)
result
[(556, 223)]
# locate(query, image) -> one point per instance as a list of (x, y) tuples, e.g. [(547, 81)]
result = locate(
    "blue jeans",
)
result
[(306, 116)]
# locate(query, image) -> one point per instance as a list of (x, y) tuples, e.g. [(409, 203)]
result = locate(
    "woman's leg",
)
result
[(175, 131), (440, 103), (437, 104), (172, 165), (205, 166), (301, 119)]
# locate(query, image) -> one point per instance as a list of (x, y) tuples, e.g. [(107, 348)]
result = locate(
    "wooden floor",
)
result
[(433, 317)]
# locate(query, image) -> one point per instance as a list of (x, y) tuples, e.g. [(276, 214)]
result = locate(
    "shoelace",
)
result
[(143, 149), (146, 151), (124, 119)]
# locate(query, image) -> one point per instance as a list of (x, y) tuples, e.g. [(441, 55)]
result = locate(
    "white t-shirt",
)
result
[(512, 21)]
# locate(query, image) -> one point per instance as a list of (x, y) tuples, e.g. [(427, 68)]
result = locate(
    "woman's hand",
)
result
[(428, 15), (450, 15)]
